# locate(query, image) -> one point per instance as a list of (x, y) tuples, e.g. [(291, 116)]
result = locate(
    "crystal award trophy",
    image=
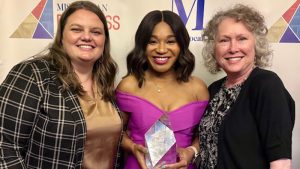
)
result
[(161, 144)]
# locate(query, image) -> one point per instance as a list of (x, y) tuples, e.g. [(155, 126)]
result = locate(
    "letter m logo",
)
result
[(186, 13)]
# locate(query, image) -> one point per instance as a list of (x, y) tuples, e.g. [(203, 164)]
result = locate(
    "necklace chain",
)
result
[(158, 89), (239, 82)]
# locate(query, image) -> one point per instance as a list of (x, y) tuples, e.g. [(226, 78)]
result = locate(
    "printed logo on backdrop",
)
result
[(191, 13), (287, 27), (113, 21), (285, 30), (39, 24)]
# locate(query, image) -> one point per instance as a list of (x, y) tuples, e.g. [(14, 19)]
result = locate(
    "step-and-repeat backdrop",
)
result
[(28, 26)]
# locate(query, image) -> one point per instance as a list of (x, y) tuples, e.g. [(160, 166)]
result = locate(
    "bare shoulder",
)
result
[(128, 84), (199, 87)]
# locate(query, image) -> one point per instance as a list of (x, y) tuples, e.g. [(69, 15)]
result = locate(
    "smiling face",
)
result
[(83, 38), (162, 49), (234, 47)]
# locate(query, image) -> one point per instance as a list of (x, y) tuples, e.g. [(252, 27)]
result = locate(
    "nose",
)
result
[(233, 46), (161, 48), (86, 36)]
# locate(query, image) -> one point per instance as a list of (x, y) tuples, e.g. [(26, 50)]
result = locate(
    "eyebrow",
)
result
[(75, 24), (169, 36)]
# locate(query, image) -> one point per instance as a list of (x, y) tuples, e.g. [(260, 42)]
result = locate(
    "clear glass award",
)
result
[(161, 144)]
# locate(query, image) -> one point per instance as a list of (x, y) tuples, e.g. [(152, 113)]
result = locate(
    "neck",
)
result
[(159, 81), (83, 78), (233, 80), (86, 81), (84, 74), (160, 77)]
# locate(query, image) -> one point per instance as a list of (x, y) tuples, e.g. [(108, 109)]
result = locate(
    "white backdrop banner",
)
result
[(28, 26)]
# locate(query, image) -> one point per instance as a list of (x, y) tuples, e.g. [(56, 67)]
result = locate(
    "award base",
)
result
[(168, 158), (161, 144)]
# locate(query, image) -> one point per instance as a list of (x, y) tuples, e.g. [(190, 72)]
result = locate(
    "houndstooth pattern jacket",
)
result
[(41, 127)]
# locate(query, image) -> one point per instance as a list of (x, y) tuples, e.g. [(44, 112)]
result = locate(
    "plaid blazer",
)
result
[(40, 125)]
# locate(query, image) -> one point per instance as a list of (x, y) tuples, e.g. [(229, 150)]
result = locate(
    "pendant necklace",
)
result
[(158, 89)]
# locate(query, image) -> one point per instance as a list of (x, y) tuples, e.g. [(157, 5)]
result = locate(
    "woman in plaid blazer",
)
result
[(57, 110)]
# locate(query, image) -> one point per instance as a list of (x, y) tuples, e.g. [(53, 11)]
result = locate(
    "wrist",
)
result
[(132, 147), (196, 153)]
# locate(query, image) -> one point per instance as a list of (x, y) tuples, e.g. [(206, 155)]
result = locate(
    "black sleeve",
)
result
[(274, 111), (19, 102)]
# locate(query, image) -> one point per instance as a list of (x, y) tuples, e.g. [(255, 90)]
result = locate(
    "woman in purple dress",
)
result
[(159, 84)]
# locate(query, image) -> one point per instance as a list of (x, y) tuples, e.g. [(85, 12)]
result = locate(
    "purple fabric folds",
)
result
[(143, 114)]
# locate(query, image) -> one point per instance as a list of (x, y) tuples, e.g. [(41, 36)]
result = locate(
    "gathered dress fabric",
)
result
[(143, 114)]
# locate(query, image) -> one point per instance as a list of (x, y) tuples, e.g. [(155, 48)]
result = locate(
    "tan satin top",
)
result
[(103, 132)]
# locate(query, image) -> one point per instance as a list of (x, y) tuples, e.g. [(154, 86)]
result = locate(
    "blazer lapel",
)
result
[(73, 104)]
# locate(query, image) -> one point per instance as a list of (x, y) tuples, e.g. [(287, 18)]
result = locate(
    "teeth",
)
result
[(161, 59), (233, 59), (85, 46)]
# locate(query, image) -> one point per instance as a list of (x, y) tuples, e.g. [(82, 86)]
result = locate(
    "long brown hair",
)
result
[(105, 68)]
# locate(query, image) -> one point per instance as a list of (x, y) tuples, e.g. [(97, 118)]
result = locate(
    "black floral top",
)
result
[(211, 121)]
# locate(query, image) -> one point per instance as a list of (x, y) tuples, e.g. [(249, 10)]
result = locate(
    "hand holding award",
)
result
[(161, 144)]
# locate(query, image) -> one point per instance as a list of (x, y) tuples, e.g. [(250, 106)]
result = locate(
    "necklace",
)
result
[(158, 89), (239, 82)]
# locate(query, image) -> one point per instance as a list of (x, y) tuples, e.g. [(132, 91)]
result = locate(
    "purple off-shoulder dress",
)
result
[(143, 114)]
